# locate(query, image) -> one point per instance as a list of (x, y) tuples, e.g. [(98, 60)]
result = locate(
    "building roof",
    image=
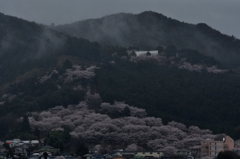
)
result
[(26, 141), (47, 147), (144, 52), (35, 142), (16, 140), (137, 151), (237, 141), (88, 155)]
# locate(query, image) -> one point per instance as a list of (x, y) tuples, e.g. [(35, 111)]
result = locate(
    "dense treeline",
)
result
[(95, 128), (205, 99)]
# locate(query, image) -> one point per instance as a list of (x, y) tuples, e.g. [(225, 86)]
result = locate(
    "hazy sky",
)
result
[(223, 15)]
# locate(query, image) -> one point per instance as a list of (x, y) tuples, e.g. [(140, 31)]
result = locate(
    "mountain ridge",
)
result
[(149, 29), (65, 76)]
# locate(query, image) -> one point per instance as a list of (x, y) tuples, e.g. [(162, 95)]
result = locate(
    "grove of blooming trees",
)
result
[(130, 131)]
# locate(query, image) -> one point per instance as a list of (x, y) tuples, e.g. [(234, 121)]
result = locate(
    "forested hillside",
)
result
[(27, 45), (28, 53), (147, 30), (46, 70), (204, 99)]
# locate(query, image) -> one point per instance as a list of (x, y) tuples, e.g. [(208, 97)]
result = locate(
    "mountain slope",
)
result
[(205, 99), (33, 64), (42, 68), (26, 45), (149, 29)]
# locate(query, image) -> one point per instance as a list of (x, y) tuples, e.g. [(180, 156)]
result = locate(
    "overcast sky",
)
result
[(223, 15)]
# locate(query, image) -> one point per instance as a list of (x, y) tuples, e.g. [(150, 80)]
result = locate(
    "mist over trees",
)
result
[(149, 29)]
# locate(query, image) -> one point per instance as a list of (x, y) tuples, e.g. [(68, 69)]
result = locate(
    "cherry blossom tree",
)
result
[(77, 73), (190, 141), (169, 150), (94, 127), (178, 125), (152, 121), (157, 144), (93, 101), (131, 147)]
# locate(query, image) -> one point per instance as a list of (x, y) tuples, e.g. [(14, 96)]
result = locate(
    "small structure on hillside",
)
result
[(50, 149), (140, 53)]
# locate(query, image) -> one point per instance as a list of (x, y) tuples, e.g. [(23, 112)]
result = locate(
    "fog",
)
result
[(221, 15), (148, 30)]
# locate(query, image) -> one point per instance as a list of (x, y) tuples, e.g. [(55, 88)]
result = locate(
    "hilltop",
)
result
[(149, 29)]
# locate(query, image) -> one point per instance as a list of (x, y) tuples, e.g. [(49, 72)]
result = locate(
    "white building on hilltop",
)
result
[(139, 53)]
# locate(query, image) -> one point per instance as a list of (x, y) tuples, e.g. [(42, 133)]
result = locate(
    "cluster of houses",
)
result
[(210, 148), (24, 148), (121, 154), (207, 148)]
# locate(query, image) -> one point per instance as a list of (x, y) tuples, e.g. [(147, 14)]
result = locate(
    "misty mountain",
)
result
[(42, 68), (31, 53), (148, 30), (26, 45)]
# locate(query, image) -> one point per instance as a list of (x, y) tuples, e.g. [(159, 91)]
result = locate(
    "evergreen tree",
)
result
[(228, 155), (81, 149), (126, 111), (133, 53), (25, 124), (160, 49), (58, 139), (171, 50), (37, 132)]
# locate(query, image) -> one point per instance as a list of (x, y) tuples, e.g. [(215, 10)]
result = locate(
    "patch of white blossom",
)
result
[(46, 77), (153, 58), (200, 67), (8, 97), (131, 147), (78, 73), (214, 69), (73, 74), (182, 64), (142, 130), (190, 67)]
